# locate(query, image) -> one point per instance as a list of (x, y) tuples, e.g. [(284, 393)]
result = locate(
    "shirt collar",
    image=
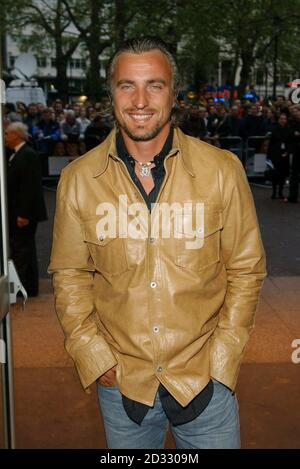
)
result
[(181, 145), (158, 159), (18, 147)]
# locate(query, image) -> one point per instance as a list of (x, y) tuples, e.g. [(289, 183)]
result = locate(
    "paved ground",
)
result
[(53, 412)]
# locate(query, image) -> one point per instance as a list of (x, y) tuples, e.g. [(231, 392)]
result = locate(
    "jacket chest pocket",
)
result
[(199, 248), (107, 251)]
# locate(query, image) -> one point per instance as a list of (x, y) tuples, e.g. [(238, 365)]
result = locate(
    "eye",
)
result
[(126, 87), (156, 86)]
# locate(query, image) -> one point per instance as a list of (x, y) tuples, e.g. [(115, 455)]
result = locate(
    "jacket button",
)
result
[(159, 369), (152, 240), (101, 238), (153, 284), (200, 230), (156, 329)]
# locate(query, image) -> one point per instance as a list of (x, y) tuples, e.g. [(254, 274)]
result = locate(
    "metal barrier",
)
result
[(255, 156), (233, 144), (252, 153), (60, 153)]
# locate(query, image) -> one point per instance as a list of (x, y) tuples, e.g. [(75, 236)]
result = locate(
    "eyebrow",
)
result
[(149, 82)]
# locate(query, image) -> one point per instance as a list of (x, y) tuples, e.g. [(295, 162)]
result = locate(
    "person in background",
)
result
[(279, 150), (95, 133), (46, 133), (26, 205), (295, 163), (70, 129), (32, 117), (84, 122)]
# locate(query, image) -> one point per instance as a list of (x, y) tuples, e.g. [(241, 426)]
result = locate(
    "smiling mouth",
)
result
[(140, 117)]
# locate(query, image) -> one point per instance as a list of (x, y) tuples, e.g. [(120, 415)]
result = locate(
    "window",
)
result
[(77, 63), (41, 62), (12, 61), (53, 62)]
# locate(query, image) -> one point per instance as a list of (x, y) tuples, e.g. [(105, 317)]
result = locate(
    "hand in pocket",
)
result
[(109, 378)]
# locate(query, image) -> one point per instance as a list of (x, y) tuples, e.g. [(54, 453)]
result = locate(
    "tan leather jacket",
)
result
[(160, 311)]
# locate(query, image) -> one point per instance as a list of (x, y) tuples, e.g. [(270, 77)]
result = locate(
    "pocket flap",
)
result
[(92, 233), (207, 224)]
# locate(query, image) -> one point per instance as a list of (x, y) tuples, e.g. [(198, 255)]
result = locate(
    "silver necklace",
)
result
[(145, 169)]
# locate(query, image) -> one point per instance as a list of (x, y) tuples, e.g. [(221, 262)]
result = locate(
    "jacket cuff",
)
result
[(93, 360), (225, 365)]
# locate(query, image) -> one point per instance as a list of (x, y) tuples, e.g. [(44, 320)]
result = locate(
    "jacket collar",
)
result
[(108, 150), (18, 147)]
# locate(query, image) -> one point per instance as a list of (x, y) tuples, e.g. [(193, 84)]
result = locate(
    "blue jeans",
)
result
[(216, 427)]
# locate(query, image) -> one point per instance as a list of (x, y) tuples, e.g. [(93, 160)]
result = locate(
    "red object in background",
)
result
[(294, 83)]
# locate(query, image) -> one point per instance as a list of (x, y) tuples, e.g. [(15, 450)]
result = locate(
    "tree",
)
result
[(6, 7), (250, 31), (92, 19), (199, 33), (49, 29)]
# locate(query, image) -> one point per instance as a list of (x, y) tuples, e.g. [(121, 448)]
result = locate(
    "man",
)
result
[(95, 132), (46, 133), (26, 206), (295, 163), (161, 321)]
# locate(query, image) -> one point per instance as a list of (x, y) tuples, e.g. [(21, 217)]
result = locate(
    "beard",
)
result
[(148, 135)]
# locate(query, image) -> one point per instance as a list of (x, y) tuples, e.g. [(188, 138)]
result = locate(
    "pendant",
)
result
[(145, 170)]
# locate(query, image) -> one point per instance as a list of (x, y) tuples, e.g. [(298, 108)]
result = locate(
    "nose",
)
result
[(140, 98)]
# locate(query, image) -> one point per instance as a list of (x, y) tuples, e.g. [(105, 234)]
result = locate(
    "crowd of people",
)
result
[(60, 130), (277, 123), (72, 129)]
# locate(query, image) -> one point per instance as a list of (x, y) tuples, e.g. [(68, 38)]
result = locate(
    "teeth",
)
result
[(140, 116)]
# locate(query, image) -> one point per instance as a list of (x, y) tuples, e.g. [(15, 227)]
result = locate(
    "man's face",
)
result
[(58, 106), (40, 107), (46, 116), (12, 138), (32, 111), (282, 120), (143, 96)]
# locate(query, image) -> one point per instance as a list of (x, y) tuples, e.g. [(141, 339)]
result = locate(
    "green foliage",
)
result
[(242, 31)]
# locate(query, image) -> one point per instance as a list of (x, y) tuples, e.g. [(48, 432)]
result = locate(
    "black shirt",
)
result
[(158, 172), (136, 411)]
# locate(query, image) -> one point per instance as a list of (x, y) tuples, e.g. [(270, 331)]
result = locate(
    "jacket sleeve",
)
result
[(244, 259), (73, 274)]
